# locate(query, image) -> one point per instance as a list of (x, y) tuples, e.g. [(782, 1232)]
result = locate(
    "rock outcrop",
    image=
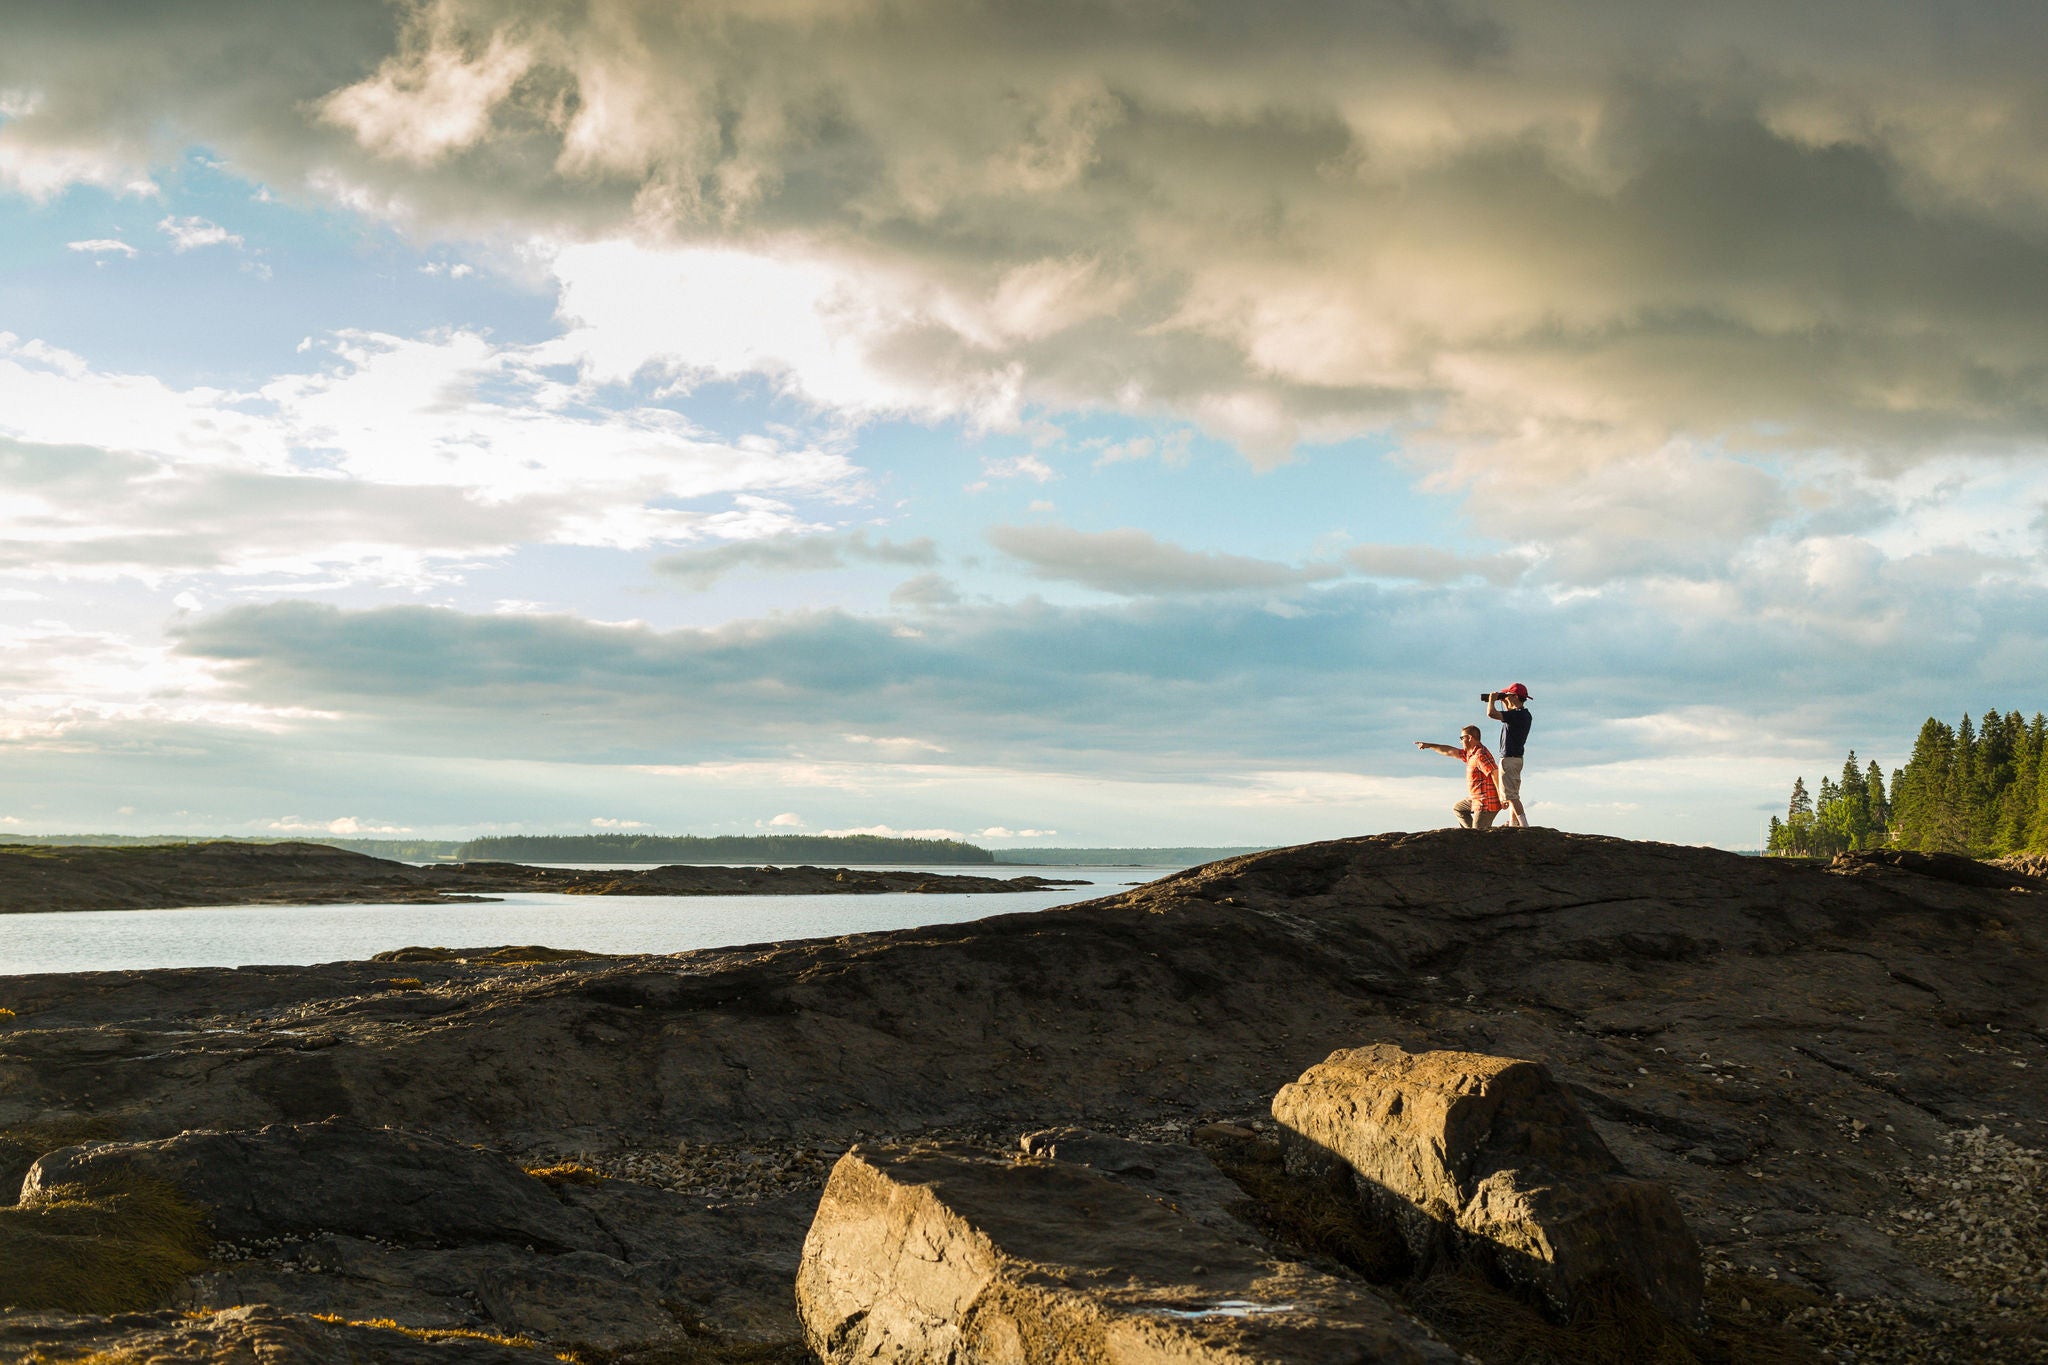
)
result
[(1793, 1052), (374, 1224), (1489, 1158), (920, 1255), (38, 877)]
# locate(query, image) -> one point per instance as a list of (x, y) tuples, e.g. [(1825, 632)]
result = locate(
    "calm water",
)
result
[(243, 935)]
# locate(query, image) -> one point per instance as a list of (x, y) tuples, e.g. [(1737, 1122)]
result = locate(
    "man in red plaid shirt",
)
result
[(1481, 779)]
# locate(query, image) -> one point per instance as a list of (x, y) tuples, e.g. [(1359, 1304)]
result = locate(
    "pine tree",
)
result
[(1854, 821), (1956, 818), (1880, 805), (1917, 788), (2037, 824)]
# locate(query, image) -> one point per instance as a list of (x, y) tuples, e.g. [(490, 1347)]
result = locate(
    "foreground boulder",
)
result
[(939, 1254), (1491, 1157)]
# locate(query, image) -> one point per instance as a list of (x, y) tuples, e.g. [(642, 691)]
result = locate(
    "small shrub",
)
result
[(405, 983)]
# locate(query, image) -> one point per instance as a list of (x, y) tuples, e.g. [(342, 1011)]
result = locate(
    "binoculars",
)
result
[(1493, 696)]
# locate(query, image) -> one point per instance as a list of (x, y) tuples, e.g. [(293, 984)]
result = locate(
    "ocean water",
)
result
[(247, 935)]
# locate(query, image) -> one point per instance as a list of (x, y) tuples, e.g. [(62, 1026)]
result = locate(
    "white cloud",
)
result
[(606, 822), (189, 234), (394, 454), (431, 100), (103, 246), (789, 819), (347, 824), (999, 832)]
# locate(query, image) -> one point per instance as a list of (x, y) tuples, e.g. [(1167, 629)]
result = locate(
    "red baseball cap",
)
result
[(1517, 690)]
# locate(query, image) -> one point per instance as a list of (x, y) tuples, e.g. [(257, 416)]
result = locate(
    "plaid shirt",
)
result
[(1482, 777)]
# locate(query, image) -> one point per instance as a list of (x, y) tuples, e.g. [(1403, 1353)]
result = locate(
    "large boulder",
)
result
[(1490, 1157), (935, 1253)]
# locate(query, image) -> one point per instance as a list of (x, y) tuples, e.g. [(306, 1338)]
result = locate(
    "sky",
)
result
[(1076, 422)]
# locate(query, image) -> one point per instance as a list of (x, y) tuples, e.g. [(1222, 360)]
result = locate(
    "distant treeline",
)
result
[(690, 848), (687, 848), (1116, 857), (404, 850), (1969, 789)]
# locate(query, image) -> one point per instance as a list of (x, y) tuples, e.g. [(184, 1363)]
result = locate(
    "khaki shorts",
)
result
[(1510, 779), (1470, 816)]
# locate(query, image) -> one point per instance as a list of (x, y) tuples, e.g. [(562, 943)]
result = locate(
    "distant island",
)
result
[(669, 849)]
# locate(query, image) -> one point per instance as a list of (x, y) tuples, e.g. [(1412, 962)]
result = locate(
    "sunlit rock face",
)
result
[(1491, 1156), (928, 1254)]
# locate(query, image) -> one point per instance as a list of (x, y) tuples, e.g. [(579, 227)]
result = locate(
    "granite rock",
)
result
[(928, 1254)]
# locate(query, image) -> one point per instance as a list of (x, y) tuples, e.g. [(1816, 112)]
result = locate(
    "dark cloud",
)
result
[(697, 569), (1340, 680), (1571, 237)]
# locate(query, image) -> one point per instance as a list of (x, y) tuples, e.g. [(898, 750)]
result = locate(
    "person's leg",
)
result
[(1483, 819), (1463, 810), (1509, 781)]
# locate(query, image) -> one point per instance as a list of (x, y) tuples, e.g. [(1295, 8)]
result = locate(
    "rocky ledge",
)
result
[(1831, 1075), (159, 876)]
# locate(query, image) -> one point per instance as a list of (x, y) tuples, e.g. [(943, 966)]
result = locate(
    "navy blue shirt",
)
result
[(1514, 731)]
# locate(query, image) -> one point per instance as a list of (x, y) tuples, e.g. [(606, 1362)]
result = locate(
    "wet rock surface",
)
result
[(37, 877), (1489, 1158), (929, 1253), (1792, 1051)]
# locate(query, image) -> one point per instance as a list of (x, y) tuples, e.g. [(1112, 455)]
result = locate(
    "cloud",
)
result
[(924, 592), (103, 246), (1430, 564), (189, 234), (393, 455), (1134, 564), (789, 819), (998, 832), (606, 822), (700, 567), (347, 824), (1553, 243)]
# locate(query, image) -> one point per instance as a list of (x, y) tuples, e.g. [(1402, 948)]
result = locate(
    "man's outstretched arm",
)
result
[(1446, 750)]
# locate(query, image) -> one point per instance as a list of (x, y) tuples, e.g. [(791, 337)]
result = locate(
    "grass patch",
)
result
[(566, 1173), (112, 1248), (432, 1333), (404, 983), (6, 1013)]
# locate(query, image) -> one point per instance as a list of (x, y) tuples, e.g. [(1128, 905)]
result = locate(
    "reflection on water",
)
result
[(244, 935)]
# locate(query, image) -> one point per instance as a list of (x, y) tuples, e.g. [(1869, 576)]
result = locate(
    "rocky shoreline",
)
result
[(40, 877), (1834, 1073)]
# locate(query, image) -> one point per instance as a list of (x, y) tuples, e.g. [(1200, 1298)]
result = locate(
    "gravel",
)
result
[(1977, 1216)]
